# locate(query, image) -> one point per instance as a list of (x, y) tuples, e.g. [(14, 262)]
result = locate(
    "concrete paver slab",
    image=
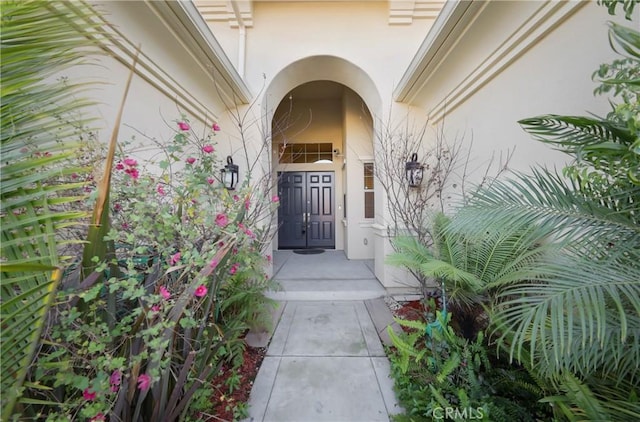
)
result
[(325, 363), (382, 318), (382, 368), (329, 265), (333, 389), (262, 386), (325, 329)]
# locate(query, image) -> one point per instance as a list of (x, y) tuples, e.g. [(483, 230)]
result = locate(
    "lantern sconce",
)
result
[(414, 171), (230, 174)]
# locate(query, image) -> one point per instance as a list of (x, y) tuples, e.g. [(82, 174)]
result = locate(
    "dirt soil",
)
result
[(413, 311), (224, 401)]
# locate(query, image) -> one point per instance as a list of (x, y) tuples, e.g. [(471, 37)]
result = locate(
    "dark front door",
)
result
[(306, 216)]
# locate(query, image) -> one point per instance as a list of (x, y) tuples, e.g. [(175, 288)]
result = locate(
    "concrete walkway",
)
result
[(325, 361)]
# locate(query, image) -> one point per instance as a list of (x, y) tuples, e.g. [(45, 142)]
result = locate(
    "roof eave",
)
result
[(188, 24), (450, 23)]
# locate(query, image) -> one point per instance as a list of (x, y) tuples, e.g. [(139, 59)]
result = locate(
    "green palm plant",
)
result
[(38, 41), (558, 273), (586, 293), (467, 263), (570, 310), (581, 313)]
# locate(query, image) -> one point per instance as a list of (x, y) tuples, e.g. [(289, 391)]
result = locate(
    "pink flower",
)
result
[(98, 418), (117, 207), (115, 379), (191, 160), (208, 149), (119, 166), (269, 258), (222, 220), (184, 126), (166, 295), (250, 234), (214, 263), (247, 204), (275, 198), (131, 162), (201, 290), (236, 198), (144, 381), (155, 308), (234, 268), (133, 172), (175, 258), (74, 176), (210, 180), (88, 395), (215, 127), (160, 190)]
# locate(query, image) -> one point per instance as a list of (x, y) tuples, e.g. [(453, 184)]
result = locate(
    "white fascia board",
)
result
[(186, 21), (450, 23)]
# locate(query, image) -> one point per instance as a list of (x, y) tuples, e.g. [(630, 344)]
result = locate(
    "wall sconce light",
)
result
[(414, 171), (230, 174)]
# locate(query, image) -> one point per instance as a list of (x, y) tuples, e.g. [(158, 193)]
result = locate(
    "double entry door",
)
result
[(306, 214)]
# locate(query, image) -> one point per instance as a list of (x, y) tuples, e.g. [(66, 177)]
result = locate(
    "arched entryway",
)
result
[(322, 155)]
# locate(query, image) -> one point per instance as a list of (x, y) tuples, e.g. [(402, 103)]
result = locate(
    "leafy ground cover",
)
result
[(441, 375)]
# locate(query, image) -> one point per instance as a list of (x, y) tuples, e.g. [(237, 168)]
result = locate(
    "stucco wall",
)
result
[(358, 31), (168, 81), (518, 60), (358, 151)]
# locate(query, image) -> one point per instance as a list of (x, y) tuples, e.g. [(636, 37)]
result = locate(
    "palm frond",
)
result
[(625, 38), (39, 40), (552, 205), (571, 300), (460, 284), (575, 134), (576, 320)]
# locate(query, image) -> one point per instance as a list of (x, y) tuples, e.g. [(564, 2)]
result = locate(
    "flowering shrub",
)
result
[(183, 282)]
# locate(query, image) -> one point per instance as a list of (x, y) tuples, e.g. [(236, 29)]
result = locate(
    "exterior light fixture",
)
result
[(230, 174), (414, 171)]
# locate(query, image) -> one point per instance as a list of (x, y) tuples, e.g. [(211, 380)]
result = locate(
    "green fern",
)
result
[(414, 324), (448, 367)]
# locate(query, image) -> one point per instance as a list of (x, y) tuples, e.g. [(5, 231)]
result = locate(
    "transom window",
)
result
[(306, 153)]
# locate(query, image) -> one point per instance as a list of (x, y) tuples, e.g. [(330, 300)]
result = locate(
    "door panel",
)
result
[(306, 214), (292, 192), (321, 218)]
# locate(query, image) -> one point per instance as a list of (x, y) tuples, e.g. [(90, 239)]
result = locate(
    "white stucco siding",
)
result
[(285, 32), (168, 82), (358, 150), (518, 60)]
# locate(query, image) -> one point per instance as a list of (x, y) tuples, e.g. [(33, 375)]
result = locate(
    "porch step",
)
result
[(323, 289)]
